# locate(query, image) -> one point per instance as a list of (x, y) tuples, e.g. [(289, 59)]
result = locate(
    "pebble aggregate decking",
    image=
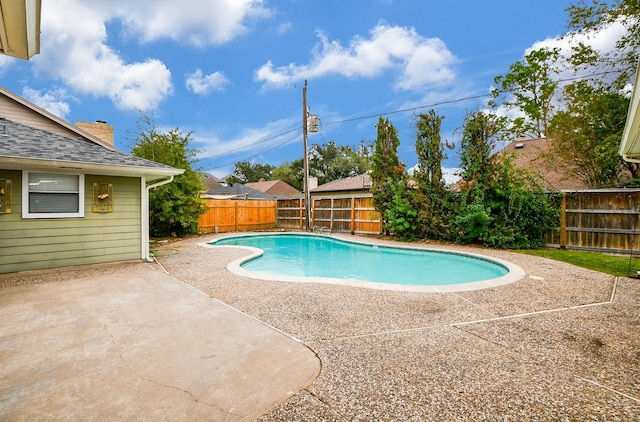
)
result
[(561, 344)]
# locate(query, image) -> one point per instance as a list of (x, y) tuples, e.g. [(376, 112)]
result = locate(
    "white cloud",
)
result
[(201, 84), (420, 61), (6, 62), (52, 101), (197, 22), (451, 175), (76, 51), (603, 41)]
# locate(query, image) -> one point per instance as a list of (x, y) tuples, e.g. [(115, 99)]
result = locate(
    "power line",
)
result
[(253, 144), (280, 145), (388, 113)]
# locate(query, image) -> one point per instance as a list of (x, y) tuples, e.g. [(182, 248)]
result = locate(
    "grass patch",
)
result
[(608, 264)]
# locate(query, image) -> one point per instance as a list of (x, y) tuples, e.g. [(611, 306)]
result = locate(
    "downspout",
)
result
[(145, 213)]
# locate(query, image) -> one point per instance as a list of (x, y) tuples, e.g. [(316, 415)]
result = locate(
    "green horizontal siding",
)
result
[(29, 244)]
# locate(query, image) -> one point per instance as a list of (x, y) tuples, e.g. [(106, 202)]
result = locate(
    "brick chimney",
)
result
[(99, 129)]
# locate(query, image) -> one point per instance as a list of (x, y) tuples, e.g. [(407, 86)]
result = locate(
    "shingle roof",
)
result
[(273, 187), (530, 154), (240, 190), (360, 182), (25, 142)]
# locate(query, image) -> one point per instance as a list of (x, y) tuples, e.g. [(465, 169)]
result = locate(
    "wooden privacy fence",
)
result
[(349, 214), (599, 220), (237, 215)]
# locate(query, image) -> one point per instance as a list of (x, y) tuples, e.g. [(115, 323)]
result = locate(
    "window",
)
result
[(52, 195)]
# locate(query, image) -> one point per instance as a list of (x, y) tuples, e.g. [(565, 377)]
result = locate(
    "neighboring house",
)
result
[(68, 197), (345, 205), (235, 191), (356, 185), (210, 182), (532, 154), (273, 187)]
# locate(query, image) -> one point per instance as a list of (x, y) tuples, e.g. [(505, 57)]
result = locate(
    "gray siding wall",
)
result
[(29, 244)]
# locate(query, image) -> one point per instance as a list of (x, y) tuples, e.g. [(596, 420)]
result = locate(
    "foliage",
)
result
[(291, 173), (400, 215), (529, 87), (246, 172), (431, 199), (332, 162), (587, 135), (386, 167), (589, 17), (173, 208), (481, 135), (500, 205)]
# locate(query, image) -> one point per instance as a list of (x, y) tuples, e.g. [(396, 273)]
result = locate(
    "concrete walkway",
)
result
[(139, 346)]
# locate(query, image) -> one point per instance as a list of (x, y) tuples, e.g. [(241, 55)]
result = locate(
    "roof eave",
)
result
[(630, 144), (20, 28), (149, 173)]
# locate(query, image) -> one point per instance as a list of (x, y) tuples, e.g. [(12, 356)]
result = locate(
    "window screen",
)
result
[(54, 193)]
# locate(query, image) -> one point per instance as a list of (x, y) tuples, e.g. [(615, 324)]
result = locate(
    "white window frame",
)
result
[(25, 197)]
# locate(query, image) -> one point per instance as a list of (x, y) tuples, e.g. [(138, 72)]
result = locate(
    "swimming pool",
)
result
[(306, 257)]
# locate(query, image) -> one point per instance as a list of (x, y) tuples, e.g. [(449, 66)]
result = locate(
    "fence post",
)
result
[(353, 214), (301, 215), (563, 221), (235, 203)]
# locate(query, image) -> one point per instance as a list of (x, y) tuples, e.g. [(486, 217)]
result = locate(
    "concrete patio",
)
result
[(563, 343)]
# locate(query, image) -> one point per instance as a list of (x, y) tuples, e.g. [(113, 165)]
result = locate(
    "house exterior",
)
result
[(68, 197), (359, 185), (273, 187), (236, 191), (346, 205), (532, 154)]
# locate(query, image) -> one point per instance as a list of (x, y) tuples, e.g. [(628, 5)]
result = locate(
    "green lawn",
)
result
[(609, 264)]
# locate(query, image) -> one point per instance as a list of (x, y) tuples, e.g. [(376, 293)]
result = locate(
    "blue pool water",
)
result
[(322, 256)]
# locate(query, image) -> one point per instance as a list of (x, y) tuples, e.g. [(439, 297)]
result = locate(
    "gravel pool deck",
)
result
[(563, 343)]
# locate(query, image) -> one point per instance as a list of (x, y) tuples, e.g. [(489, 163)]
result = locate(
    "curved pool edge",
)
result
[(515, 272)]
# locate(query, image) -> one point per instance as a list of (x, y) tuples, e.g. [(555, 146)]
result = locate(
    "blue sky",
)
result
[(232, 71)]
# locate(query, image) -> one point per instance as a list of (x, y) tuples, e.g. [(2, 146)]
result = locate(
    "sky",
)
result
[(231, 72)]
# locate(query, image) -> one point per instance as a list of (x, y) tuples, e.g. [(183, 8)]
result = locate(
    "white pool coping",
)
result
[(515, 273)]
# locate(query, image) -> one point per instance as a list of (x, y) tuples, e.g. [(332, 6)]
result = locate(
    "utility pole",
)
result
[(307, 194)]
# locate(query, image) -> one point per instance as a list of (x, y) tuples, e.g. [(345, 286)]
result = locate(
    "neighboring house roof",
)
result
[(530, 154), (237, 191), (210, 181), (22, 146), (360, 182), (273, 187)]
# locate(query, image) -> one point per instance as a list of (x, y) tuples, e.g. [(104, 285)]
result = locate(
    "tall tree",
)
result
[(173, 208), (529, 87), (501, 205), (481, 135), (291, 173), (430, 199), (587, 18), (587, 135), (330, 162), (429, 147), (387, 172), (246, 172)]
